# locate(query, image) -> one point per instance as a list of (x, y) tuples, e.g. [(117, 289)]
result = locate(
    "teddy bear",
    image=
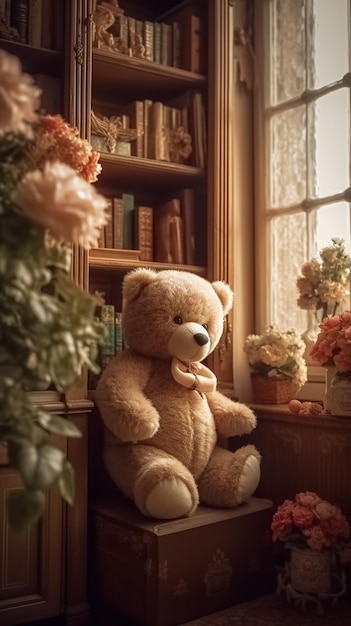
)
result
[(164, 419)]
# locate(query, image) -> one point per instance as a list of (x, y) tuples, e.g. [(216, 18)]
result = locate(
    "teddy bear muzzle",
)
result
[(189, 342)]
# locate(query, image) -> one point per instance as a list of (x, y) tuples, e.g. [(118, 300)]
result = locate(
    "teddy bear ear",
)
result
[(135, 281), (225, 295)]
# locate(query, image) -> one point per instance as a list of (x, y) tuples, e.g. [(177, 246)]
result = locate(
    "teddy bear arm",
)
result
[(123, 405), (232, 418)]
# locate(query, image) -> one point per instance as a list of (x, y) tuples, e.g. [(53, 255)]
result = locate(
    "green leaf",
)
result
[(25, 508), (58, 425), (40, 467), (66, 483)]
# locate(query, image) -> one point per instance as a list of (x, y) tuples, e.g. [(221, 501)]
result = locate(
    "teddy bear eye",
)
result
[(205, 326), (178, 320)]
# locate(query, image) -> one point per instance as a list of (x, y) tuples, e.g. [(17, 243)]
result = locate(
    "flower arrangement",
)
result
[(276, 353), (322, 285), (333, 343), (48, 328), (308, 521)]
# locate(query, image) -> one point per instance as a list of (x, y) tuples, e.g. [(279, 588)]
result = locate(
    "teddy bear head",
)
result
[(173, 313)]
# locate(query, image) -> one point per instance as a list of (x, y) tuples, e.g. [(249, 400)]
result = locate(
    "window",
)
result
[(303, 164)]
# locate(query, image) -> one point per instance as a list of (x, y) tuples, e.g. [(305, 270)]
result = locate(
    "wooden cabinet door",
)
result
[(32, 561)]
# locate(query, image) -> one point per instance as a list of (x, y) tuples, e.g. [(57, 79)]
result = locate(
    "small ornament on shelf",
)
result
[(108, 134), (104, 18), (180, 147)]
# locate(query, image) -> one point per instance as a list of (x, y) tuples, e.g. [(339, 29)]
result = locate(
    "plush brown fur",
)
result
[(161, 434)]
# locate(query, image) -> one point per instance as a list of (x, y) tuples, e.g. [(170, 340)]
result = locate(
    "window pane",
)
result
[(330, 138), (329, 48), (333, 220), (288, 154), (288, 50), (289, 243)]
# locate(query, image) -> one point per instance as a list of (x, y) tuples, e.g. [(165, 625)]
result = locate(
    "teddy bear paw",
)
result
[(249, 479), (169, 499)]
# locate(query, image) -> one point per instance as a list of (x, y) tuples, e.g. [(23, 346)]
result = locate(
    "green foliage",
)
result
[(48, 331)]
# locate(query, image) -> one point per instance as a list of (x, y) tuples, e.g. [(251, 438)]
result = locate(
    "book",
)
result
[(158, 140), (117, 221), (176, 239), (164, 250), (176, 44), (131, 32), (143, 232), (157, 42), (109, 225), (35, 12), (147, 124), (149, 40), (187, 203), (166, 44), (136, 114), (128, 220), (107, 347), (19, 18), (193, 44), (118, 333), (123, 33)]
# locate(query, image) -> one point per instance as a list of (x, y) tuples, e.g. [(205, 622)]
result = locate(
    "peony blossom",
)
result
[(333, 343), (56, 140), (276, 352), (310, 521), (322, 284), (61, 201), (19, 97)]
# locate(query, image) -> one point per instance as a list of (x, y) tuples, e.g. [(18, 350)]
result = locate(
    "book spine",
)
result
[(118, 333), (176, 239), (137, 122), (19, 19), (187, 203), (149, 40), (176, 51), (193, 52), (157, 42), (147, 127), (162, 219), (128, 226), (109, 225), (166, 44), (117, 208), (131, 33), (122, 26), (107, 317), (144, 232), (35, 22)]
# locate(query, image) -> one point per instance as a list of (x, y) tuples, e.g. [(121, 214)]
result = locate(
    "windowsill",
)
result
[(281, 412)]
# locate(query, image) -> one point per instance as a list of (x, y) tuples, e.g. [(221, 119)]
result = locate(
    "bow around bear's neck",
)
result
[(194, 376)]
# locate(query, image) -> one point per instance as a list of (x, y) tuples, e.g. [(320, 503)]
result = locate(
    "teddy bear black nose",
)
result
[(201, 339)]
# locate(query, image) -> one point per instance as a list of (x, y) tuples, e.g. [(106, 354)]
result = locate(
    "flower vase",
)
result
[(309, 337), (310, 570), (341, 394), (327, 400)]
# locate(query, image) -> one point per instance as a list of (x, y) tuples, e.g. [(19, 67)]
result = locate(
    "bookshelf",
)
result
[(88, 78)]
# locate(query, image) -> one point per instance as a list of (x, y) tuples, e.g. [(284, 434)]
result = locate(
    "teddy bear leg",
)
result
[(165, 489), (230, 478), (160, 485)]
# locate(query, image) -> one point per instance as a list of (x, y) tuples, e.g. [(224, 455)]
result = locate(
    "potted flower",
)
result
[(332, 350), (312, 528), (279, 369)]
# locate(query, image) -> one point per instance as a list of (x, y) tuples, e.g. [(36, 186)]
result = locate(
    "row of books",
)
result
[(165, 233), (157, 124), (113, 342), (38, 23), (176, 40)]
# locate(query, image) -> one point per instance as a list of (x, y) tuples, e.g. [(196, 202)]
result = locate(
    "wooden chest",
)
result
[(165, 573)]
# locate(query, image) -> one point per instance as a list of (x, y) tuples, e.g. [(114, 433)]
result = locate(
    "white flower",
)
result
[(19, 97), (63, 202)]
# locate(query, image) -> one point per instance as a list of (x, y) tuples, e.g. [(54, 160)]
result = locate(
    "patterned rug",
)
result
[(273, 610)]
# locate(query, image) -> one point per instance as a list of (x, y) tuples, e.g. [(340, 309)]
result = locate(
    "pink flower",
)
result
[(308, 520), (19, 97), (64, 203), (333, 344)]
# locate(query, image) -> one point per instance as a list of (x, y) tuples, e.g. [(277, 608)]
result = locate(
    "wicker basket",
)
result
[(273, 390)]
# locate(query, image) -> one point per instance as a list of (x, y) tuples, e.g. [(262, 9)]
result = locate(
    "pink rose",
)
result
[(307, 498), (64, 203), (302, 516)]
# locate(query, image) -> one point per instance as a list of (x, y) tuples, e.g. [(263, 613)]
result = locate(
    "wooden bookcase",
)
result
[(49, 577)]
